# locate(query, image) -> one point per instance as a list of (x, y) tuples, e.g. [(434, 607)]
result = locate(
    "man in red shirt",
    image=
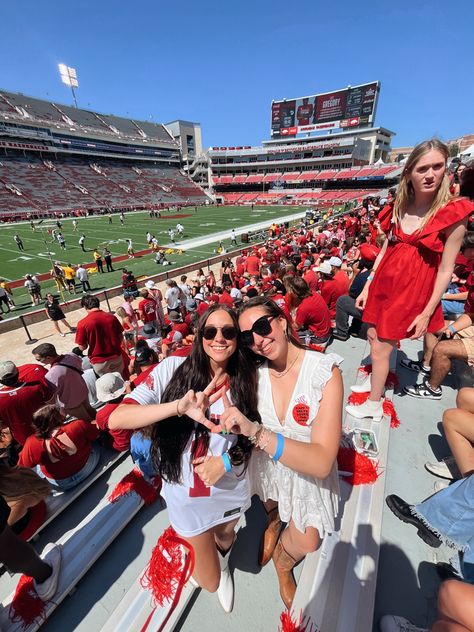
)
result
[(177, 323), (331, 289), (225, 298), (312, 313), (340, 276), (102, 334), (311, 277), (252, 264), (23, 390), (147, 308), (202, 306)]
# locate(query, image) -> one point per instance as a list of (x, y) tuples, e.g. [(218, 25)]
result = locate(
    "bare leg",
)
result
[(206, 570), (298, 544), (465, 399), (455, 607), (225, 535), (380, 350), (56, 326), (67, 324), (429, 343), (459, 429), (443, 353)]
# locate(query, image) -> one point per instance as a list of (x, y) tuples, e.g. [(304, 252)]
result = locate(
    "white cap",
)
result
[(325, 268), (335, 261), (109, 386)]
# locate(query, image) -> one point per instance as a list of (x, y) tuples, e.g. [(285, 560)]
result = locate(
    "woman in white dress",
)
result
[(294, 470), (182, 399)]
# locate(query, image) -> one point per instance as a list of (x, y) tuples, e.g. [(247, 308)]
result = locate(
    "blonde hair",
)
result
[(405, 192)]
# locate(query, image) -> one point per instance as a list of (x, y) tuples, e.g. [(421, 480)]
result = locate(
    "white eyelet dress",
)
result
[(309, 501)]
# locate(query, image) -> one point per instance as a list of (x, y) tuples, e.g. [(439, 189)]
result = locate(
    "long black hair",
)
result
[(170, 436)]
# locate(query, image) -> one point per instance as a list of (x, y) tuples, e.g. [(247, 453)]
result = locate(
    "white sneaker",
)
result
[(439, 485), (367, 409), (225, 592), (51, 556), (392, 623), (443, 468), (363, 387)]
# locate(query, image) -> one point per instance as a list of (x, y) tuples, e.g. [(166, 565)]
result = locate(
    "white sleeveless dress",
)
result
[(308, 501)]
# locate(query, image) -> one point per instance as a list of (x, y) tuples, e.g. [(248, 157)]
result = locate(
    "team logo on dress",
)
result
[(300, 410)]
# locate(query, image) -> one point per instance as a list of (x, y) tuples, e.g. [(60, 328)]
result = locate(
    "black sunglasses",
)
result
[(262, 327), (229, 332)]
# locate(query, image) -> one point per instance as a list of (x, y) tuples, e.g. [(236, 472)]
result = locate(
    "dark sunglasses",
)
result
[(262, 327), (229, 332)]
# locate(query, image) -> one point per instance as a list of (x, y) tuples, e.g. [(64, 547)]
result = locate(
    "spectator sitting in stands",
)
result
[(65, 377), (23, 390), (111, 389), (310, 312), (455, 296), (144, 361), (331, 290), (177, 323), (345, 305), (151, 337), (173, 345), (22, 489), (437, 358), (20, 557), (63, 454)]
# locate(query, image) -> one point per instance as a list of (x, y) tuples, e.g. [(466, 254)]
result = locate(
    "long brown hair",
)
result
[(405, 191), (21, 482)]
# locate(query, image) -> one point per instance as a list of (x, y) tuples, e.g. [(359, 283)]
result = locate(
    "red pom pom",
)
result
[(288, 624), (364, 470), (316, 347), (388, 408), (134, 481), (26, 606), (170, 567), (390, 382)]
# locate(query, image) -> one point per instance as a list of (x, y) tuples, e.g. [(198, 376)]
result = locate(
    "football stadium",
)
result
[(235, 380)]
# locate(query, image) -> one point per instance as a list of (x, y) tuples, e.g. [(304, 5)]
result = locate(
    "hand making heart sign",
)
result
[(195, 405)]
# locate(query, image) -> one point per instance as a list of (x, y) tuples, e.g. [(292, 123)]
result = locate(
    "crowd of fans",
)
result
[(56, 420)]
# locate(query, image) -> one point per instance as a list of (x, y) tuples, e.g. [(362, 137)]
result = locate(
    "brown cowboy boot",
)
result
[(284, 564), (270, 536)]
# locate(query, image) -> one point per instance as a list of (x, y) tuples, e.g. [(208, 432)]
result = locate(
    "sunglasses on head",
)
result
[(262, 327), (229, 332)]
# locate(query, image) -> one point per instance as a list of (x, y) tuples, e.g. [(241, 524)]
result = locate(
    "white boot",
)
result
[(367, 409), (364, 387), (225, 592)]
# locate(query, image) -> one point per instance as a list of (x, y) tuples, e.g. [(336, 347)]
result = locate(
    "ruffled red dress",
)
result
[(405, 277)]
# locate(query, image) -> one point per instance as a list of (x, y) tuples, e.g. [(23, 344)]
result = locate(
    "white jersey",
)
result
[(192, 507)]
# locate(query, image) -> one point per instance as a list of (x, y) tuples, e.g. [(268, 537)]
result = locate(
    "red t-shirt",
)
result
[(18, 403), (226, 299), (331, 290), (252, 264), (80, 432), (147, 309), (202, 307), (121, 438), (181, 327), (343, 280), (312, 280), (313, 314), (102, 333)]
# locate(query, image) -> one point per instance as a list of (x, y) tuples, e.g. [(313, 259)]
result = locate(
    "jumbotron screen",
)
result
[(349, 107)]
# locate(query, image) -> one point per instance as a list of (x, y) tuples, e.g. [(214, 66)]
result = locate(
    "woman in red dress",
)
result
[(401, 298)]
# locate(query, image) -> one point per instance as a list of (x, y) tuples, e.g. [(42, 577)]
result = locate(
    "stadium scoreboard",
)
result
[(349, 107)]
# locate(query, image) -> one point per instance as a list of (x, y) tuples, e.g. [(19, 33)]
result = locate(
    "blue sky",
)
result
[(221, 62)]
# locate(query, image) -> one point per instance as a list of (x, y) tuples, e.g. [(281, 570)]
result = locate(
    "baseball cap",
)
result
[(191, 305), (143, 354), (109, 386), (307, 263), (174, 336), (335, 261), (7, 370), (174, 316), (325, 268), (199, 297)]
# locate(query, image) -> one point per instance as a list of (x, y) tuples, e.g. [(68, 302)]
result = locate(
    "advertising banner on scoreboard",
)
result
[(349, 107)]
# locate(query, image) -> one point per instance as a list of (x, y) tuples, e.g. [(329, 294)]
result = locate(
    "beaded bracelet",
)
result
[(264, 439), (255, 438)]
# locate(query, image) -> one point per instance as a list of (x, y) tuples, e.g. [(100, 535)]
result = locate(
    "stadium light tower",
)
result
[(69, 77)]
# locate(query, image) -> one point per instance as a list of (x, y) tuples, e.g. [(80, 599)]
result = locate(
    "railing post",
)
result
[(107, 300), (30, 341)]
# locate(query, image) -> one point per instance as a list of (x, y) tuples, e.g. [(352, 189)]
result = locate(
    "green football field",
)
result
[(39, 248)]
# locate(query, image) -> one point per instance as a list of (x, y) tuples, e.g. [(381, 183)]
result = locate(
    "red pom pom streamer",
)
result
[(392, 378), (26, 607), (364, 470), (316, 347), (134, 481), (388, 408), (288, 624), (170, 567)]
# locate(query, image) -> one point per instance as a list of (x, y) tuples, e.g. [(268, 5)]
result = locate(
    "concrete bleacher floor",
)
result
[(406, 582)]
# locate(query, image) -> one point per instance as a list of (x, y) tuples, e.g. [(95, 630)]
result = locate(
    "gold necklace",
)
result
[(279, 374)]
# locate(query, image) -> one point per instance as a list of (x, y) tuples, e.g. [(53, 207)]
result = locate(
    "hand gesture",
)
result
[(233, 421), (210, 469), (420, 325), (361, 300), (194, 405)]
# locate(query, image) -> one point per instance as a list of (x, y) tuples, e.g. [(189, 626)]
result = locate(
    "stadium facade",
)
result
[(60, 159)]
